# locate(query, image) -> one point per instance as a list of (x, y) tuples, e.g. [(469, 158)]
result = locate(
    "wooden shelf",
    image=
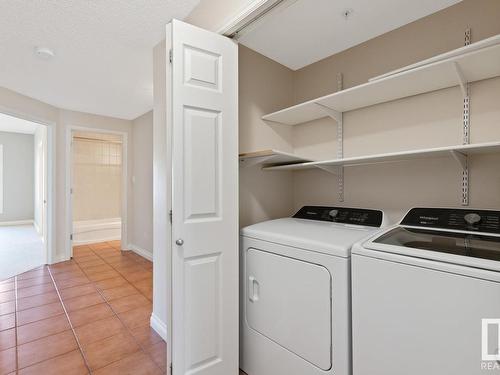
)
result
[(269, 158), (472, 63), (459, 153)]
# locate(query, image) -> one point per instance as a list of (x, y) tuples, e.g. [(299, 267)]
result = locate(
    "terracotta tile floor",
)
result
[(89, 315)]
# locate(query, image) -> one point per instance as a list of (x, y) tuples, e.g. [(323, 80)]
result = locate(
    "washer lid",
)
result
[(462, 248), (323, 237)]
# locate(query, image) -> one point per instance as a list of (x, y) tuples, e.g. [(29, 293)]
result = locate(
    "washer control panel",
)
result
[(485, 221), (344, 215)]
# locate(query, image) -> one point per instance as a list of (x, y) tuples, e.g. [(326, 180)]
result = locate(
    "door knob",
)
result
[(179, 242)]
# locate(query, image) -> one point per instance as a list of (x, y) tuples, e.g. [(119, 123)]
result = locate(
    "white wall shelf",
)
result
[(459, 153), (269, 158), (472, 63)]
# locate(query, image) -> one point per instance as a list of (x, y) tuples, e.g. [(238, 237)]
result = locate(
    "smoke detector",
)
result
[(44, 53)]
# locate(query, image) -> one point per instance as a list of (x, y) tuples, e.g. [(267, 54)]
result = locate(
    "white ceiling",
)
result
[(15, 125), (103, 51), (310, 30)]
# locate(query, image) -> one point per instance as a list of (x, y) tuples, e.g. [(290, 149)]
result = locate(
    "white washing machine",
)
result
[(426, 295), (295, 291)]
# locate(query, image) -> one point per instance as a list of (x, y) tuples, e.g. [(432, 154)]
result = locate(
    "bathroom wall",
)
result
[(97, 176), (97, 164)]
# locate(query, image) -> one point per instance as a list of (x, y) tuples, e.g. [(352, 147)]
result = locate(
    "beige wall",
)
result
[(423, 121), (264, 86), (161, 317), (141, 213), (429, 36)]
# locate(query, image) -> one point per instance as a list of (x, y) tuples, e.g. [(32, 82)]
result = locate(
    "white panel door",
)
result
[(205, 202)]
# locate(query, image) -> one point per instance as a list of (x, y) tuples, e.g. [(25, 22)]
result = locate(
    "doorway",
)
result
[(97, 191), (23, 195)]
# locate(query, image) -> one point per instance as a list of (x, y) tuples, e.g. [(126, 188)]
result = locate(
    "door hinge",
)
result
[(71, 190), (170, 56), (71, 237), (170, 216)]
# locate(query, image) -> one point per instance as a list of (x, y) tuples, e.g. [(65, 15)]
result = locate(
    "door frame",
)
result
[(49, 235), (69, 174)]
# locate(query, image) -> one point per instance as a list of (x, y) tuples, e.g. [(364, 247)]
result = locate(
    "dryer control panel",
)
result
[(485, 221), (344, 215)]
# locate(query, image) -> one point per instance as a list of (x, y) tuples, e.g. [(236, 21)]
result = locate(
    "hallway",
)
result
[(89, 315)]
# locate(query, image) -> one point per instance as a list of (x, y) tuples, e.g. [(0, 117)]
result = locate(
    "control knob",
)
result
[(472, 218)]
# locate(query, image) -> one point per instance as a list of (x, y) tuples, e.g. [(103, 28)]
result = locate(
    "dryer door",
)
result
[(289, 302)]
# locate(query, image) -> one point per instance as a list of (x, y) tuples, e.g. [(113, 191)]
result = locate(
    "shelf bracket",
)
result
[(461, 79), (460, 158), (250, 162), (336, 115), (329, 168)]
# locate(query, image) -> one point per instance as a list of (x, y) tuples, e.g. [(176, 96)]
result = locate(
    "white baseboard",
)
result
[(159, 327), (59, 258), (37, 227), (17, 222), (140, 251)]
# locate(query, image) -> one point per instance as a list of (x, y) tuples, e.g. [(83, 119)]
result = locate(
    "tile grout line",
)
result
[(33, 364), (51, 275), (118, 317), (121, 274), (15, 323), (60, 300), (128, 329), (70, 323)]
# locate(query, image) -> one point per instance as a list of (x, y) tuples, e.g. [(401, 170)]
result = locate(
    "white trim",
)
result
[(159, 327), (37, 228), (69, 202), (250, 16), (140, 251), (59, 258), (16, 222), (50, 207)]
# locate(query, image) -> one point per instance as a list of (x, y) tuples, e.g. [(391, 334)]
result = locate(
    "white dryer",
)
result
[(426, 295), (295, 291)]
